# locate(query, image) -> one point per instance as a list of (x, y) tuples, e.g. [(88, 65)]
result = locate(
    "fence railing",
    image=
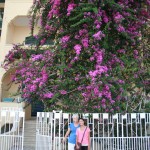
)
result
[(130, 131), (11, 129)]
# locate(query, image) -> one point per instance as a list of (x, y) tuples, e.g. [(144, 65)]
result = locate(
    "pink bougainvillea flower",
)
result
[(33, 88), (83, 32), (112, 101), (148, 2), (70, 8), (48, 95), (92, 58), (43, 41), (63, 92), (118, 17), (47, 27), (65, 38), (77, 48), (121, 81), (85, 42), (120, 28), (84, 94), (99, 35), (37, 57), (96, 91), (93, 73), (105, 17), (121, 51), (135, 52)]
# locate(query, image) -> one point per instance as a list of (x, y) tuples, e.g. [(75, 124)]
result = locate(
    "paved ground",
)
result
[(24, 148), (28, 148)]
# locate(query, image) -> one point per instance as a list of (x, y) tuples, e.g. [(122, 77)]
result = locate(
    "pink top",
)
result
[(80, 133)]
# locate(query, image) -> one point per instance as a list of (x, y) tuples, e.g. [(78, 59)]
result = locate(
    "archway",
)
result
[(18, 29), (9, 88)]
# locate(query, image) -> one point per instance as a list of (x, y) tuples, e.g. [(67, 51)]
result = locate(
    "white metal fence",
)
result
[(108, 131), (11, 128)]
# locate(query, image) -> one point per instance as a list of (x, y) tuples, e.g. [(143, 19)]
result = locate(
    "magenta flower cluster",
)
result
[(90, 57)]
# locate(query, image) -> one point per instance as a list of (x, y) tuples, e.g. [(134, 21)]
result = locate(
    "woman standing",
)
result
[(83, 136), (72, 128)]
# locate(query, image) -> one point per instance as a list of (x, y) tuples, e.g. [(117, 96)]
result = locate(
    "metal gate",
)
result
[(130, 131), (11, 128)]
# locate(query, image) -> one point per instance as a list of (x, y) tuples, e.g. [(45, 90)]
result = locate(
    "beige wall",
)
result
[(17, 34), (14, 30), (13, 8), (27, 109), (9, 33), (19, 38), (8, 87), (8, 104)]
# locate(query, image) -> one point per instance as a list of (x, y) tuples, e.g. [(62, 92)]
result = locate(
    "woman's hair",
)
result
[(81, 119), (75, 115)]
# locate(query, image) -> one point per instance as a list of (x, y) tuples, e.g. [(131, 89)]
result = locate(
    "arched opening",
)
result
[(9, 94), (9, 88), (18, 29)]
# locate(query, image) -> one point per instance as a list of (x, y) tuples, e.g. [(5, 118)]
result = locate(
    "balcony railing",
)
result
[(31, 40)]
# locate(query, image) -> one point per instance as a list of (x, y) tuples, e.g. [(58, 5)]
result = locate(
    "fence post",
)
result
[(57, 116)]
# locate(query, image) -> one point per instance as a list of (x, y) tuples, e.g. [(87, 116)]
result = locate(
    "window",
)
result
[(1, 18), (2, 1)]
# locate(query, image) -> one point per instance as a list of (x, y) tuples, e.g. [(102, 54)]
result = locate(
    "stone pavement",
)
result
[(24, 148), (28, 148)]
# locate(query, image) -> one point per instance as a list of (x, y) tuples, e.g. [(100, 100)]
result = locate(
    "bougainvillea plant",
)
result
[(96, 61)]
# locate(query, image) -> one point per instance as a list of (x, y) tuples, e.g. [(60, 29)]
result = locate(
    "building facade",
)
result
[(14, 28)]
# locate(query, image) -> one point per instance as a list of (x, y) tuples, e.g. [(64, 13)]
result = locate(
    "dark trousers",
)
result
[(84, 147)]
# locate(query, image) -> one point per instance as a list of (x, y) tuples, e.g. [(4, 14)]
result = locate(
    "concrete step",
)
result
[(31, 123), (29, 145), (28, 148), (30, 134)]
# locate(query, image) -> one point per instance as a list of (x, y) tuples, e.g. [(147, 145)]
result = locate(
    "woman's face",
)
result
[(81, 122), (75, 119)]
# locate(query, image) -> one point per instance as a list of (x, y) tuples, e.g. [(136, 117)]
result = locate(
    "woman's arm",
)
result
[(76, 139), (89, 139), (67, 133)]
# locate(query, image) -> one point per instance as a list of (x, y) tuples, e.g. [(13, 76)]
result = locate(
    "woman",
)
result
[(83, 135), (72, 128)]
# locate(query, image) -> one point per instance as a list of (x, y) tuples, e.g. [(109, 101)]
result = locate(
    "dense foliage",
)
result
[(96, 62)]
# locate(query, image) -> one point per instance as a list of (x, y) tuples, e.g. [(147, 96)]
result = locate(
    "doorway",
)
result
[(37, 107)]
